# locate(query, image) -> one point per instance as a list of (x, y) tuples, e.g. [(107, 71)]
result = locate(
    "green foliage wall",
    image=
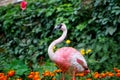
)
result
[(26, 35), (106, 22)]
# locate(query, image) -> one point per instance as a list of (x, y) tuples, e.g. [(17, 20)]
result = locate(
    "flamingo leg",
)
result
[(63, 76), (73, 74)]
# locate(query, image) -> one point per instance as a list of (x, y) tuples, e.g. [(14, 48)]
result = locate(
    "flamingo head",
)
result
[(84, 67), (86, 70), (60, 26)]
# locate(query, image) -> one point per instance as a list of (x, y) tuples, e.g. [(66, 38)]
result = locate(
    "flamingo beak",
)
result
[(55, 28)]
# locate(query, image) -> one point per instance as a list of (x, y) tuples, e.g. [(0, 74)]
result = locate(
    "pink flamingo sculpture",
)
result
[(67, 59)]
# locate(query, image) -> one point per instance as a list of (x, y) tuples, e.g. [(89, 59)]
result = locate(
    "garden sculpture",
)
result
[(67, 59)]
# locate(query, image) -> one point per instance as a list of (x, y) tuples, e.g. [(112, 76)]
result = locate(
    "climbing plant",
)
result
[(104, 28)]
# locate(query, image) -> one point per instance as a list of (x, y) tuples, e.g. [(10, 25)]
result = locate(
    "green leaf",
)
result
[(81, 26), (92, 61), (22, 70), (49, 12), (104, 58), (97, 2), (111, 30), (81, 45)]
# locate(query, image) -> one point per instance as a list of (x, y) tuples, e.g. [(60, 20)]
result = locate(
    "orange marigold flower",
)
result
[(103, 75), (46, 73), (52, 74), (80, 74), (1, 74), (36, 77), (110, 74), (118, 71), (115, 69), (118, 74), (3, 77), (88, 79), (37, 73), (96, 75), (32, 73), (57, 71), (11, 73), (30, 76)]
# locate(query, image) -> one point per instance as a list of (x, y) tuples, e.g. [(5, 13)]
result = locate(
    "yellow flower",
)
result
[(68, 41), (88, 51), (54, 47), (82, 51)]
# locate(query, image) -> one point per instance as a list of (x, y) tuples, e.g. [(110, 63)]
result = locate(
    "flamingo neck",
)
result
[(55, 42)]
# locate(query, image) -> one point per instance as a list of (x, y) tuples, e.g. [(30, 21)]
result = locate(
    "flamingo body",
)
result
[(67, 59)]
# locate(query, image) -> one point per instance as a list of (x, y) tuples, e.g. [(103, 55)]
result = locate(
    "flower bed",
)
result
[(51, 75)]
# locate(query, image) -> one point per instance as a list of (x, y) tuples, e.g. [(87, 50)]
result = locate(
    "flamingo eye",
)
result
[(59, 26)]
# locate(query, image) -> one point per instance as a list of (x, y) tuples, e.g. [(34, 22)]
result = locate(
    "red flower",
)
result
[(23, 5)]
